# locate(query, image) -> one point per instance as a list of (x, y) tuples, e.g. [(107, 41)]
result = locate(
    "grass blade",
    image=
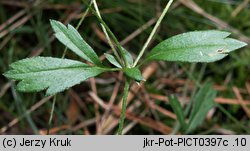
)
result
[(176, 106), (203, 101)]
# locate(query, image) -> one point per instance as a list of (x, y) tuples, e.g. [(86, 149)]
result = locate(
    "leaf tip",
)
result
[(6, 74), (56, 25), (244, 44), (52, 21)]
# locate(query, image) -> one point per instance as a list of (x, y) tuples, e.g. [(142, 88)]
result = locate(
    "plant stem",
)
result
[(119, 46), (124, 104), (153, 32), (63, 55), (79, 24), (231, 117), (51, 114), (115, 40), (106, 34)]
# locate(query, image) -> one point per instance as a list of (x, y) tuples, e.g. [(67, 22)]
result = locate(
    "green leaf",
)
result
[(134, 73), (53, 74), (176, 106), (197, 46), (112, 60), (73, 40), (203, 101), (128, 57)]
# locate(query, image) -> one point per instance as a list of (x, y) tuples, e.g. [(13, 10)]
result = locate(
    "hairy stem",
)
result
[(117, 43), (106, 34), (124, 104), (153, 32)]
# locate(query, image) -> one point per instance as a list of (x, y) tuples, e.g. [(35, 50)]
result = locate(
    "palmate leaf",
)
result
[(53, 74), (70, 37), (197, 46)]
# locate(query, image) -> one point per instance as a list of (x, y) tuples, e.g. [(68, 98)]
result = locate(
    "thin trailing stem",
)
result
[(51, 114), (106, 34), (124, 104), (107, 31), (83, 16), (231, 117), (79, 24), (63, 55), (153, 32), (117, 43)]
